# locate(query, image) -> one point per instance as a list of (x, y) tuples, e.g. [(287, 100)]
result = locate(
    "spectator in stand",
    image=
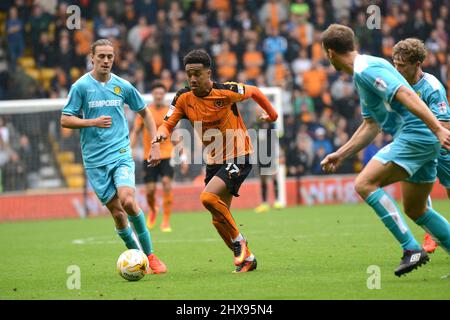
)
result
[(83, 38), (297, 159), (321, 141), (373, 148), (138, 34), (274, 12), (16, 42), (273, 44), (253, 61), (100, 17), (65, 55), (226, 63), (278, 74), (109, 29), (129, 17), (61, 83), (44, 54), (14, 174), (39, 22)]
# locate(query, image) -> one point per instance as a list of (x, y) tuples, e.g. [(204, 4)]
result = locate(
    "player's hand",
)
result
[(159, 138), (155, 157), (103, 122), (331, 162), (264, 117), (444, 137)]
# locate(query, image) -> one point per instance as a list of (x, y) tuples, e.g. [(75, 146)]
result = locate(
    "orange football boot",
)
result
[(156, 265), (429, 245), (241, 251)]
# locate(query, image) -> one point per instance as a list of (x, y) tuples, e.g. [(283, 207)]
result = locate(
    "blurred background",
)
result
[(267, 43)]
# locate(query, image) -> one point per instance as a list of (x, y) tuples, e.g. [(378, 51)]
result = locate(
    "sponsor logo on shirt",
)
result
[(104, 103)]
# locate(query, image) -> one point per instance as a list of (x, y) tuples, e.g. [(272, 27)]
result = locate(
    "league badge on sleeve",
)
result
[(380, 84), (442, 107)]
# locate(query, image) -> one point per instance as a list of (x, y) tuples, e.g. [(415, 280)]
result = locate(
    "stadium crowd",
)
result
[(260, 42)]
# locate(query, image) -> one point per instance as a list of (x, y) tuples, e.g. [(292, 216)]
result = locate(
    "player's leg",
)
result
[(150, 195), (167, 174), (167, 203), (264, 206), (217, 200), (123, 177), (429, 245), (443, 173), (150, 179), (277, 204), (368, 185), (103, 185), (123, 228), (222, 183), (415, 202)]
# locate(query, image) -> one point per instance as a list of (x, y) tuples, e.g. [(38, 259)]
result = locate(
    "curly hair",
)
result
[(410, 50), (197, 56)]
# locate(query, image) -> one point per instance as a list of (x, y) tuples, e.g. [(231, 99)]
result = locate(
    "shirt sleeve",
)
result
[(438, 104), (382, 82), (134, 99), (74, 102), (175, 113), (236, 91)]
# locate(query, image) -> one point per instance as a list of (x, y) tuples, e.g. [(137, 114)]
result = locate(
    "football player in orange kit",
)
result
[(213, 105), (164, 168)]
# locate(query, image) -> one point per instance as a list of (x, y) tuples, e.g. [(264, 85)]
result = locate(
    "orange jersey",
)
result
[(217, 110), (158, 115)]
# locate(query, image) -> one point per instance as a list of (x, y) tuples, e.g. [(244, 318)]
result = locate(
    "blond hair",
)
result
[(100, 42)]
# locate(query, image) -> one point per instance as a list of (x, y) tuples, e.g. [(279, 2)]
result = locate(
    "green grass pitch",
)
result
[(320, 252)]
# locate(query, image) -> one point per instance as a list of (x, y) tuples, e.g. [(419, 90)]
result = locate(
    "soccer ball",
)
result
[(132, 265)]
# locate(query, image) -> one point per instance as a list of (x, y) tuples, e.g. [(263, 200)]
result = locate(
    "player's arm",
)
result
[(256, 94), (362, 137), (135, 132), (154, 157), (416, 106), (74, 122), (171, 119), (70, 117)]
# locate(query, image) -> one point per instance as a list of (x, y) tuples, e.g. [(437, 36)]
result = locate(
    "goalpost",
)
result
[(43, 116)]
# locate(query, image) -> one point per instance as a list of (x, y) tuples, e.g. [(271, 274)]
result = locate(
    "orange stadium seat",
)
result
[(26, 62), (71, 169), (65, 157), (75, 182)]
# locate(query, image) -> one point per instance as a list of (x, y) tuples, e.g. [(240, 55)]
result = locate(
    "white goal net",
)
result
[(37, 154)]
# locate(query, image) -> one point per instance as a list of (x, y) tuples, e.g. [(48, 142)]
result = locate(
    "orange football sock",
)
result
[(220, 212), (151, 201), (167, 206), (221, 227)]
